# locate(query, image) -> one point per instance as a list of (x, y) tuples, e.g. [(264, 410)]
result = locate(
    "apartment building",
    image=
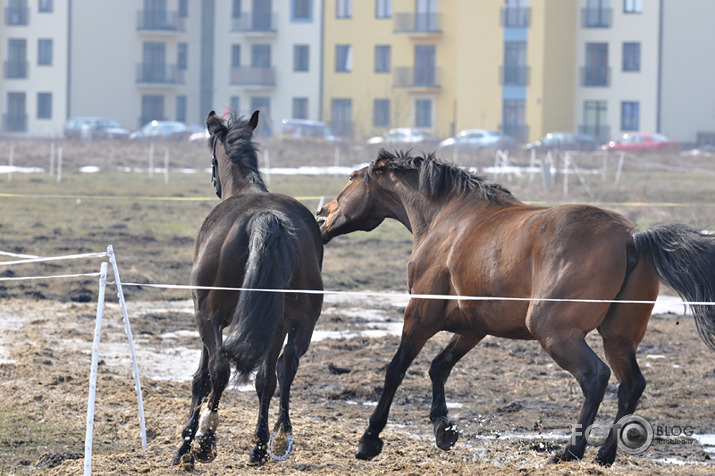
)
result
[(143, 60)]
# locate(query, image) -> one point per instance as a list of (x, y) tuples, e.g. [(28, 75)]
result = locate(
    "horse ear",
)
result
[(253, 121), (213, 123)]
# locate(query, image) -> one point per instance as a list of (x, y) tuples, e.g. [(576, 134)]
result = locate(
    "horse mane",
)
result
[(240, 148), (436, 177)]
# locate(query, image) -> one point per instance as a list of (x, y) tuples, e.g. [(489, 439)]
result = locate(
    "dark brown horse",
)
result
[(252, 239), (471, 238)]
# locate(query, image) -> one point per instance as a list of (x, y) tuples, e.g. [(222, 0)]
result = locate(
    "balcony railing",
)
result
[(17, 16), (596, 17), (418, 23), (515, 17), (251, 76), (255, 23), (600, 132), (14, 122), (595, 76), (148, 20), (408, 77), (150, 73), (16, 69), (514, 75)]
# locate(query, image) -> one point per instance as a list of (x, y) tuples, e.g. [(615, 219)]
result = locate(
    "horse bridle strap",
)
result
[(214, 163)]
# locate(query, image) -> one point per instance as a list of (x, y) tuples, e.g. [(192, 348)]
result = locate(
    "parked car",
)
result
[(476, 139), (563, 141), (307, 132), (405, 137), (162, 130), (94, 128), (643, 142)]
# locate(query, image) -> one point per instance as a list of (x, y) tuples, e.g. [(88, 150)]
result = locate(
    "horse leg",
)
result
[(413, 339), (445, 430), (298, 342), (576, 357), (200, 387), (204, 445), (265, 388)]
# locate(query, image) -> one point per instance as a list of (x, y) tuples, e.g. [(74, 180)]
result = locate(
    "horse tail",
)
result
[(271, 257), (684, 259)]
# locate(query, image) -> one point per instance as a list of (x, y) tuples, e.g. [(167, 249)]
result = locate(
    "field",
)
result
[(512, 404)]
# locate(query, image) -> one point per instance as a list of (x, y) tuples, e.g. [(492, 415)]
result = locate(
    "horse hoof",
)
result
[(258, 456), (204, 447), (369, 447), (184, 461), (445, 433), (565, 456), (605, 459), (280, 445)]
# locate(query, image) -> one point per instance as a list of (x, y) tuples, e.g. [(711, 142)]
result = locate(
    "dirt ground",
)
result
[(514, 407)]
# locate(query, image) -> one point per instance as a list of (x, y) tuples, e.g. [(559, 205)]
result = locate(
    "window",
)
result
[(383, 8), (233, 104), (345, 9), (630, 116), (595, 120), (45, 6), (300, 57), (16, 117), (44, 105), (631, 56), (183, 8), (514, 119), (300, 108), (515, 68), (343, 58), (381, 113), (426, 16), (341, 113), (425, 65), (181, 108), (596, 71), (423, 113), (235, 56), (382, 59), (16, 65), (261, 56), (632, 6), (44, 52), (236, 10), (152, 108), (302, 10), (182, 55)]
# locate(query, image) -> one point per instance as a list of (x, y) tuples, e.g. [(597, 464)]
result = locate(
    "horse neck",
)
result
[(413, 210), (233, 182)]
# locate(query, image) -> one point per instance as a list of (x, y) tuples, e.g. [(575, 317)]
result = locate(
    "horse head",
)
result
[(237, 148)]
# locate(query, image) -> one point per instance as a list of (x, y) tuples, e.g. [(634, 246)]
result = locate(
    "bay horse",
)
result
[(252, 239), (472, 238)]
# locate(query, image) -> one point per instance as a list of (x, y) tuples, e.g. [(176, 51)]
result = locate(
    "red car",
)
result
[(643, 142)]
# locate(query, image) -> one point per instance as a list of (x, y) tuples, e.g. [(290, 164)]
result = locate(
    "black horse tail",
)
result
[(684, 259), (271, 257)]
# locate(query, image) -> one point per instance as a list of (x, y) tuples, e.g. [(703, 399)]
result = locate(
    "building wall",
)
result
[(688, 68), (552, 59)]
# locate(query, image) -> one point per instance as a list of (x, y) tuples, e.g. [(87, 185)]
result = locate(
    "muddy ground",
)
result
[(514, 407)]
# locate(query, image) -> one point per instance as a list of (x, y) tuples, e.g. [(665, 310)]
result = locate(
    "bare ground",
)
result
[(514, 407)]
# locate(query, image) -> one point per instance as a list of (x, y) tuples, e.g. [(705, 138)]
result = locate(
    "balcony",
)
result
[(418, 23), (16, 69), (17, 16), (159, 21), (514, 75), (596, 17), (255, 24), (600, 132), (515, 17), (161, 74), (595, 76), (253, 76), (14, 122), (417, 78)]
